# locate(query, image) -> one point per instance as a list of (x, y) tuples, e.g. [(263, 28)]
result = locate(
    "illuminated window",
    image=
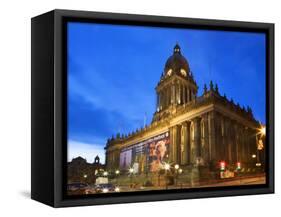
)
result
[(183, 72), (169, 72)]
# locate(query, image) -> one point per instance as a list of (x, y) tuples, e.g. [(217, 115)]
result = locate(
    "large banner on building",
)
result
[(149, 155)]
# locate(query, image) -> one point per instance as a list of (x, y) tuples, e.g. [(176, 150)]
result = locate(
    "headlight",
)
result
[(117, 189), (105, 190)]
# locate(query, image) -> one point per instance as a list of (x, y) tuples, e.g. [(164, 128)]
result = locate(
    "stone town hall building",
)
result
[(186, 129)]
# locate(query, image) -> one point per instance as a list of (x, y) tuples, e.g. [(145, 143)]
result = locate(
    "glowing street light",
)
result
[(254, 156), (258, 164), (166, 166), (180, 171), (177, 173), (85, 176), (117, 172), (131, 171), (105, 173), (262, 131)]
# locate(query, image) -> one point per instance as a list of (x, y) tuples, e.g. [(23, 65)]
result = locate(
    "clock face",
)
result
[(169, 72), (183, 72)]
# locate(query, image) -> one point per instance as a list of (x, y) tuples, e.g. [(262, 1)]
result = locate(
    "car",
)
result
[(106, 188), (79, 188)]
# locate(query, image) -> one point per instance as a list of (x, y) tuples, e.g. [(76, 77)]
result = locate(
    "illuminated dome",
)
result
[(177, 64)]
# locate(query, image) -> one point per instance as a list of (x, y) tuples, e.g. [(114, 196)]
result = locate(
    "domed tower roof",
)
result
[(176, 63)]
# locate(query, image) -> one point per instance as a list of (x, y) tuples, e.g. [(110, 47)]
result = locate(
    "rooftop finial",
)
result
[(177, 48)]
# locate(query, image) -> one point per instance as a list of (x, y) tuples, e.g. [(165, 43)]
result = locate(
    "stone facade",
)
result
[(203, 130)]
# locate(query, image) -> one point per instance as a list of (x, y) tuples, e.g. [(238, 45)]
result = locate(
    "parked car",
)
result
[(79, 188), (106, 188)]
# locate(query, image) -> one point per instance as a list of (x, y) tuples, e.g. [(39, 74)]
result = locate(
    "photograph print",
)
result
[(160, 108)]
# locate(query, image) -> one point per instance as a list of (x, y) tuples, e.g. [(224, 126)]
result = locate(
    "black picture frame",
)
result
[(48, 70)]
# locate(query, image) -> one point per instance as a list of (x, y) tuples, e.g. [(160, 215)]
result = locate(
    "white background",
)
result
[(15, 106)]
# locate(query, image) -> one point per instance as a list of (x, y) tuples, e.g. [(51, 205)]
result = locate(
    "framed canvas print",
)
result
[(133, 108)]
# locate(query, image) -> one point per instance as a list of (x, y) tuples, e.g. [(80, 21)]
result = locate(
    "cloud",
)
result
[(85, 150)]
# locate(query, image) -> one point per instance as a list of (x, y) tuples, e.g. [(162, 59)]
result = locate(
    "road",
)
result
[(236, 182), (242, 181)]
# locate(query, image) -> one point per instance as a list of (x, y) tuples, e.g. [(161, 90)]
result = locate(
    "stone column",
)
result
[(188, 95), (239, 144), (228, 139), (235, 142), (219, 146), (184, 96), (178, 145), (171, 91), (212, 136), (183, 144), (174, 144), (169, 96), (246, 151), (164, 98), (178, 98), (187, 142), (197, 138), (205, 148)]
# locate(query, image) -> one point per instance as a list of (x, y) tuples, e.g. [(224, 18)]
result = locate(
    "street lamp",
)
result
[(262, 131), (117, 172), (258, 164), (176, 168), (131, 171), (105, 173), (254, 156), (238, 168), (85, 176), (166, 168)]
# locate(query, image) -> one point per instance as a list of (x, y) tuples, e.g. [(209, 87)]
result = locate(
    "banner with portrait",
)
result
[(149, 154)]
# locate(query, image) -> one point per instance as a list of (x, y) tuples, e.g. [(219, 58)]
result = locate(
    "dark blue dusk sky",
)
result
[(113, 71)]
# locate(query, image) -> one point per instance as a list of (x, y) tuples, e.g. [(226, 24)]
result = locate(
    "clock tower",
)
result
[(176, 86)]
